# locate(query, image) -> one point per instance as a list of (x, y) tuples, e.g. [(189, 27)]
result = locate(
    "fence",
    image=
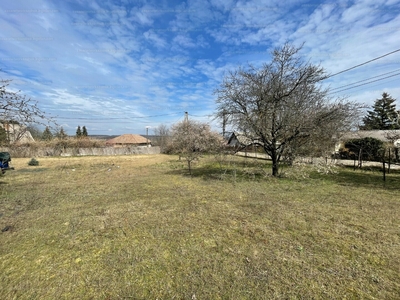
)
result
[(41, 152)]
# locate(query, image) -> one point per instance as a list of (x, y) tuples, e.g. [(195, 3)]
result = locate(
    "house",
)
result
[(241, 142), (16, 132), (386, 136), (129, 140)]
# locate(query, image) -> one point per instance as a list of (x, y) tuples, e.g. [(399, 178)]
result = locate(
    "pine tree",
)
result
[(84, 132), (61, 134), (47, 135), (383, 116), (78, 132)]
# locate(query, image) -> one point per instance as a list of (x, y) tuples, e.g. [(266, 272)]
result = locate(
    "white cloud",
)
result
[(145, 59)]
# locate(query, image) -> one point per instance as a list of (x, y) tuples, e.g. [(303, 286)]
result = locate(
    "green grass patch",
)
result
[(140, 227)]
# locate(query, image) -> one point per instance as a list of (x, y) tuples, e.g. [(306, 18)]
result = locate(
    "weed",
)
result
[(33, 162)]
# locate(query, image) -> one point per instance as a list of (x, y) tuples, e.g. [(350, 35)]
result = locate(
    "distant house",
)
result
[(16, 132), (129, 140), (386, 136), (241, 142)]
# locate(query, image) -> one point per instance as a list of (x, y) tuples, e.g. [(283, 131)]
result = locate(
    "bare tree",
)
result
[(162, 136), (18, 111), (282, 105), (191, 139)]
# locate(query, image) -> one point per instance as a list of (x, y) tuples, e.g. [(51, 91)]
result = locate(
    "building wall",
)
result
[(17, 133)]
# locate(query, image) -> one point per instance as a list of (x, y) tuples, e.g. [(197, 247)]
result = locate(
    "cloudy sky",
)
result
[(119, 66)]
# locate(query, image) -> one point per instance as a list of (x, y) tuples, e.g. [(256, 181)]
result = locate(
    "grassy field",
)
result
[(138, 227)]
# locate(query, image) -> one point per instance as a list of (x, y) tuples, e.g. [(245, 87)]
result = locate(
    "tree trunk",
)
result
[(384, 170), (190, 167), (275, 167), (360, 158)]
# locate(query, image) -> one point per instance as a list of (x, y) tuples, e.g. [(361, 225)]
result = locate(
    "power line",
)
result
[(363, 63), (126, 118), (338, 88), (365, 83)]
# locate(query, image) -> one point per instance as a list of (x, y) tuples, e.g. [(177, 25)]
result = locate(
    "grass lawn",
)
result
[(138, 227)]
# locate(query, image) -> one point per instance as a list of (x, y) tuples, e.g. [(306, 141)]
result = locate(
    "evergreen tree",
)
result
[(78, 132), (3, 136), (84, 132), (61, 134), (383, 116), (47, 135)]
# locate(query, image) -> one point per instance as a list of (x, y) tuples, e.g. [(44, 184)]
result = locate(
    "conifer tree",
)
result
[(78, 132), (61, 134), (84, 131), (3, 136), (383, 115), (47, 135)]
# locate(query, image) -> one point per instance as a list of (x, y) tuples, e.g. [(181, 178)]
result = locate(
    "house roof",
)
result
[(128, 139), (241, 138)]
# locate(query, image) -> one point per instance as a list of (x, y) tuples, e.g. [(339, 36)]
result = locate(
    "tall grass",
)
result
[(139, 227)]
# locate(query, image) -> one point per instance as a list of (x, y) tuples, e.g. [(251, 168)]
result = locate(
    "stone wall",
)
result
[(41, 152)]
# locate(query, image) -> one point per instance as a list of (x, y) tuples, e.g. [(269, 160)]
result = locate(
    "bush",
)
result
[(33, 162), (370, 148)]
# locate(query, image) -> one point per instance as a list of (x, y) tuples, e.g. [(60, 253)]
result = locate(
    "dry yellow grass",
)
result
[(138, 227)]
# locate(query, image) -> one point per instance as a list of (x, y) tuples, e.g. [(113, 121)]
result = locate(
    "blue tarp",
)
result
[(5, 158)]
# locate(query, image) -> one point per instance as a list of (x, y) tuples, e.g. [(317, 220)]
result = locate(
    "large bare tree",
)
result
[(18, 111), (282, 105)]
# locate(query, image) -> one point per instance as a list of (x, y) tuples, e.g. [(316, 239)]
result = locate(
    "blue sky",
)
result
[(119, 66)]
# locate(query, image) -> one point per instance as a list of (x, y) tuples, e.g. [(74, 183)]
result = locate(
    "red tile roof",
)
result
[(128, 139)]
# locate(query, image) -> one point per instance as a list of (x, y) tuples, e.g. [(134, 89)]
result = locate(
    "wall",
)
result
[(41, 152)]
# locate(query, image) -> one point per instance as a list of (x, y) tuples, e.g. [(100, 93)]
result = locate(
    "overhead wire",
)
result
[(125, 118), (366, 83), (364, 63), (343, 86)]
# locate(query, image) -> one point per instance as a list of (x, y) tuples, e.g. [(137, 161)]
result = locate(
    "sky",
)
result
[(127, 66)]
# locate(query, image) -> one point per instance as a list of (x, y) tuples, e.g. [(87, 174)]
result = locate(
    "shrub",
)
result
[(370, 149), (33, 162)]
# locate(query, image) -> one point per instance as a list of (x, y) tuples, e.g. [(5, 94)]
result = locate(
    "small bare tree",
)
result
[(162, 133), (283, 106), (191, 139), (18, 111)]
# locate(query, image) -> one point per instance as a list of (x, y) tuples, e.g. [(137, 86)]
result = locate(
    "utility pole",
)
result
[(147, 135), (186, 117), (224, 120)]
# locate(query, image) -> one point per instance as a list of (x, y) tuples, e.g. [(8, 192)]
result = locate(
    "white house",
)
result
[(16, 133)]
